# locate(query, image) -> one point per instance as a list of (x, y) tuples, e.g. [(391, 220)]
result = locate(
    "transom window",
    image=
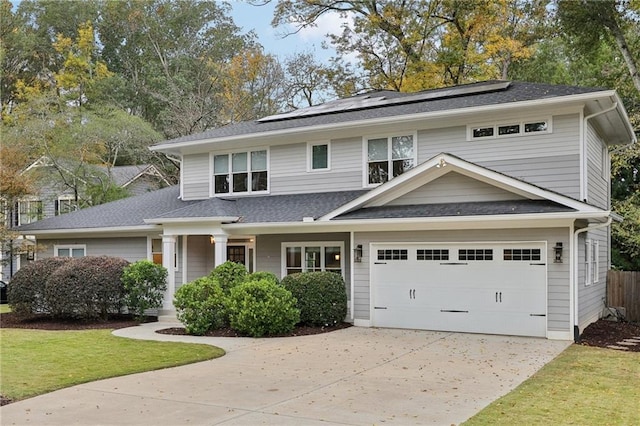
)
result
[(432, 254), (509, 129), (74, 250), (319, 155), (475, 254), (521, 254), (393, 254), (240, 172), (312, 257), (389, 157)]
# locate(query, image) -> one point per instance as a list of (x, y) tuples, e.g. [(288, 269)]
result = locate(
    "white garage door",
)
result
[(495, 288)]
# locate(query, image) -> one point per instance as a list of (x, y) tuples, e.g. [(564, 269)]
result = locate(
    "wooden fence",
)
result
[(623, 289)]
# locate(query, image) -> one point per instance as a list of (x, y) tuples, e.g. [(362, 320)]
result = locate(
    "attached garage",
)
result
[(488, 287)]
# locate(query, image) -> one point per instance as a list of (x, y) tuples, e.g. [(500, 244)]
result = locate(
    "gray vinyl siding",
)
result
[(196, 176), (200, 256), (558, 289), (131, 248), (452, 188), (269, 251), (591, 297), (597, 170), (288, 168)]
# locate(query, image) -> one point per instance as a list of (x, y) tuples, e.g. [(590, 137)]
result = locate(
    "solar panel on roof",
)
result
[(365, 102)]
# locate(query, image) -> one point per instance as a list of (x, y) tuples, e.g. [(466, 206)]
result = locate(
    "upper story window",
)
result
[(29, 211), (318, 156), (240, 172), (389, 157), (516, 128), (65, 204)]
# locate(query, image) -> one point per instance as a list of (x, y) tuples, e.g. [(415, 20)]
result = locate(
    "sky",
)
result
[(259, 18)]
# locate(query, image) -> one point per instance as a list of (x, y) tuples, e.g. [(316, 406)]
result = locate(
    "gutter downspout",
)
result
[(583, 150), (576, 320)]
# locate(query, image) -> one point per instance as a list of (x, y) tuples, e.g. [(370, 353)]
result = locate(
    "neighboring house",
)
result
[(54, 198), (477, 208)]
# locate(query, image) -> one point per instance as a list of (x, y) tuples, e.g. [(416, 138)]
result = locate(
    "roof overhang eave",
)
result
[(584, 97), (75, 232), (191, 220)]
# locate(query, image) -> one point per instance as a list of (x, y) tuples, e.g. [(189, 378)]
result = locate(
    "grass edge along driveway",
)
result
[(33, 362), (582, 386)]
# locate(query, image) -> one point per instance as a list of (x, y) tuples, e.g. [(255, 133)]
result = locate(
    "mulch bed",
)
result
[(599, 334)]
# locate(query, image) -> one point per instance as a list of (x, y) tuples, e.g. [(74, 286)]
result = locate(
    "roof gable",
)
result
[(418, 179)]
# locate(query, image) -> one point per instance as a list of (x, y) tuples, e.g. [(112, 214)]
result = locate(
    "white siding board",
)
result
[(196, 176), (200, 256), (131, 248), (591, 297)]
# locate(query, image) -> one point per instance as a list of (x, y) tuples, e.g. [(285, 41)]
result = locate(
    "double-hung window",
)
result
[(389, 157), (312, 257), (29, 211), (592, 258), (240, 172), (72, 250)]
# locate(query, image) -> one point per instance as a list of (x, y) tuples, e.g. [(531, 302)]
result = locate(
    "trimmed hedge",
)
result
[(26, 293), (260, 308), (86, 288), (144, 286), (229, 274), (262, 275), (201, 305), (321, 296)]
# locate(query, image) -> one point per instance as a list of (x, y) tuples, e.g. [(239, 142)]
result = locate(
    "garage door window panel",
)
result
[(475, 254), (432, 254), (393, 254), (521, 254)]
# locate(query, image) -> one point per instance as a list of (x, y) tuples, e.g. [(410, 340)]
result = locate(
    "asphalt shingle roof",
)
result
[(515, 92), (457, 209)]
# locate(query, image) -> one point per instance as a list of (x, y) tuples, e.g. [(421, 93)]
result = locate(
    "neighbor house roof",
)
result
[(384, 104)]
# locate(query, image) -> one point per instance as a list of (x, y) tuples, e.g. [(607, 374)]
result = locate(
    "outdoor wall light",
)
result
[(557, 250), (357, 253)]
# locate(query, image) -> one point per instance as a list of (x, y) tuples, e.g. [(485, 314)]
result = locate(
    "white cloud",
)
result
[(328, 23)]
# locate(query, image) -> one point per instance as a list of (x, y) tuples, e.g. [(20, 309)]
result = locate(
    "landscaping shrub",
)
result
[(201, 305), (262, 275), (86, 288), (321, 296), (144, 286), (27, 290), (229, 274), (260, 308)]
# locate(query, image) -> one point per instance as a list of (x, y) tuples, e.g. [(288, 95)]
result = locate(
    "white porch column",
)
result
[(220, 249), (168, 261)]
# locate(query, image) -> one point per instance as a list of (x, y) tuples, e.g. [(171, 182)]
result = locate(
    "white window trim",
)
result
[(248, 151), (365, 153), (310, 146), (521, 123), (66, 197), (70, 247), (303, 245), (29, 200), (592, 262)]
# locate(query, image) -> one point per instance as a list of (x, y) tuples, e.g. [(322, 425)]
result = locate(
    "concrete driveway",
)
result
[(356, 376)]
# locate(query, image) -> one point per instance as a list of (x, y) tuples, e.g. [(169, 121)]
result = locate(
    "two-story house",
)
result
[(59, 191), (479, 208)]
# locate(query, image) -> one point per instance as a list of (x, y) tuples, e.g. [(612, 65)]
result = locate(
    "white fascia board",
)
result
[(187, 220), (533, 220), (395, 119), (90, 232), (625, 118)]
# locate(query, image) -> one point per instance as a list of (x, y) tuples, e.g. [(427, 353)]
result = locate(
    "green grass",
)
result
[(33, 362), (5, 309), (582, 386)]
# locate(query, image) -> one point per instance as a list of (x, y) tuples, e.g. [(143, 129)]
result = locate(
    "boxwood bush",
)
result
[(262, 275), (86, 288), (229, 274), (144, 286), (259, 308), (27, 290), (321, 296), (201, 305)]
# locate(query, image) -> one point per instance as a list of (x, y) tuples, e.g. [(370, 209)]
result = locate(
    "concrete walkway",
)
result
[(355, 376)]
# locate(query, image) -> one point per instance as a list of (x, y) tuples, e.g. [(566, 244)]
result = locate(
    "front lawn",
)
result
[(33, 362), (5, 309), (582, 386)]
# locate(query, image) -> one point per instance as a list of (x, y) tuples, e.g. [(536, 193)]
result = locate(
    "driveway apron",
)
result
[(355, 376)]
